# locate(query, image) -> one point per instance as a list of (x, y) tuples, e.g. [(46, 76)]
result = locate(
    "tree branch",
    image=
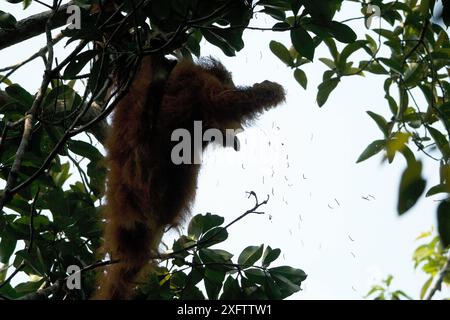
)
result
[(214, 235), (33, 26), (31, 114), (40, 53), (437, 286)]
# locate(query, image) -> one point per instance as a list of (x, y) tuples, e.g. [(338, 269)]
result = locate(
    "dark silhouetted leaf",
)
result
[(325, 88), (301, 78), (303, 42), (412, 186), (443, 217)]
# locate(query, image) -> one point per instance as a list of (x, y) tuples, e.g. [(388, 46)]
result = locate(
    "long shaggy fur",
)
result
[(145, 191)]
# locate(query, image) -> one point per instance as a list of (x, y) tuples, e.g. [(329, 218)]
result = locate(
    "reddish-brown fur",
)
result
[(145, 191)]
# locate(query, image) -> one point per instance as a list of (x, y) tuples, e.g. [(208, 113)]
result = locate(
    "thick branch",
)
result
[(33, 26)]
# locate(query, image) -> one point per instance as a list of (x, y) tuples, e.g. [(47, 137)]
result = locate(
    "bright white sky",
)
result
[(322, 224)]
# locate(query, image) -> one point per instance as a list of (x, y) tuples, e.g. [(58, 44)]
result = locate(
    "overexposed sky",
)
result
[(304, 157)]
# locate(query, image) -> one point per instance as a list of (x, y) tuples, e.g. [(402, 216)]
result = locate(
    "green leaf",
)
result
[(231, 289), (392, 64), (28, 287), (342, 32), (422, 253), (33, 260), (193, 43), (273, 290), (425, 287), (281, 26), (232, 36), (351, 48), (380, 121), (202, 223), (412, 186), (373, 67), (328, 62), (274, 13), (441, 141), (213, 236), (182, 243), (388, 34), (392, 104), (269, 256), (96, 171), (7, 20), (414, 73), (303, 42), (440, 188), (331, 44), (19, 94), (215, 39), (213, 282), (301, 78), (397, 143), (295, 6), (441, 53), (325, 88), (85, 149), (322, 11), (192, 293), (197, 274), (250, 255), (76, 65), (443, 217), (26, 3), (56, 203), (281, 52), (256, 275), (7, 246), (62, 175), (216, 259), (98, 75), (63, 93), (287, 287), (371, 150), (297, 276)]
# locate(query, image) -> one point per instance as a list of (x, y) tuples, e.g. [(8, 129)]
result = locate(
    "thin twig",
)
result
[(7, 280), (29, 120), (213, 236), (71, 131), (32, 214), (17, 66), (210, 16), (417, 45)]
